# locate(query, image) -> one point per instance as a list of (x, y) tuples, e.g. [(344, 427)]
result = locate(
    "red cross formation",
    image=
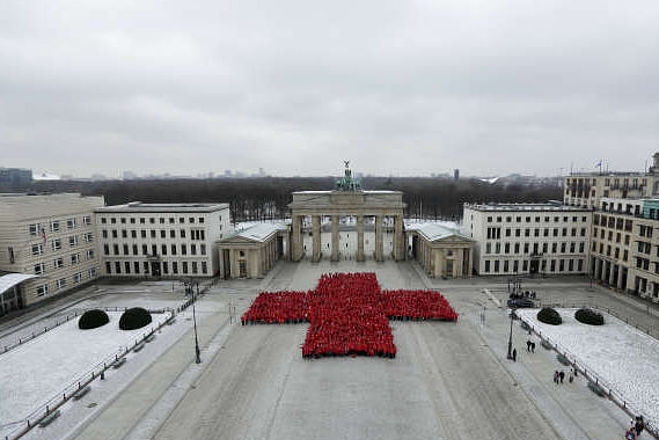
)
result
[(349, 313)]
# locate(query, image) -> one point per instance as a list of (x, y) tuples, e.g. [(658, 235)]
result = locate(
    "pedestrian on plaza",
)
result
[(571, 378), (528, 345), (562, 375), (640, 425), (555, 376), (514, 355), (532, 347)]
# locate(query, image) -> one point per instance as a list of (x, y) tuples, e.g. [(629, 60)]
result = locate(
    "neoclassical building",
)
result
[(440, 250)]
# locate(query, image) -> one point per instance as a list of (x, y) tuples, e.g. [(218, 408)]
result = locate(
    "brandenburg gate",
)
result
[(348, 199)]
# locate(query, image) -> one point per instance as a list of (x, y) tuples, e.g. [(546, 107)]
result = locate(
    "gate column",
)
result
[(360, 238)]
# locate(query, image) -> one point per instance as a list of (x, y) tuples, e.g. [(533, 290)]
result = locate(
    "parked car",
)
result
[(520, 303)]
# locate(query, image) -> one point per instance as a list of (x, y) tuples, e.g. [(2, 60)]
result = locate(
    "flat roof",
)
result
[(435, 231), (525, 207), (348, 192), (10, 280), (134, 207), (259, 232)]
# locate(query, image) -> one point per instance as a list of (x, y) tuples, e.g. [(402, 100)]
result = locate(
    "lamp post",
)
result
[(194, 321), (510, 336)]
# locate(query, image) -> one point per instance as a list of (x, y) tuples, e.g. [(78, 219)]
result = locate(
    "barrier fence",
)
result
[(593, 378), (73, 389), (63, 320)]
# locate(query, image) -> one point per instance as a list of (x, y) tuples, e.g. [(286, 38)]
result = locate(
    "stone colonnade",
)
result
[(297, 240), (607, 271)]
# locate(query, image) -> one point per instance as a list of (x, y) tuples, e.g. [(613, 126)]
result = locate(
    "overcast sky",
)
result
[(294, 87)]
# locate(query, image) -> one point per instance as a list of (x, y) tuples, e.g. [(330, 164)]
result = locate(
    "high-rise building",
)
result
[(52, 236), (15, 179)]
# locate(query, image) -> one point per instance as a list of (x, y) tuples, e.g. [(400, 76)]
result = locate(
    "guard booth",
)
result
[(252, 252)]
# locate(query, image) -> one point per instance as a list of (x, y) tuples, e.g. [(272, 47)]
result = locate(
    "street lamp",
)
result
[(194, 321), (510, 337)]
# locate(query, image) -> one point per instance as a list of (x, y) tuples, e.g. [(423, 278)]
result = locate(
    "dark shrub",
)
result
[(549, 316), (589, 316), (134, 318), (93, 319)]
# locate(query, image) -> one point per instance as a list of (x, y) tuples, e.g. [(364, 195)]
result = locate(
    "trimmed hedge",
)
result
[(549, 316), (93, 319), (589, 316), (134, 318)]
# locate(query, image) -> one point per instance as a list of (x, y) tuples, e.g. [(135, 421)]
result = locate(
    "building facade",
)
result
[(587, 189), (175, 240), (441, 251), (52, 236), (531, 238), (251, 253)]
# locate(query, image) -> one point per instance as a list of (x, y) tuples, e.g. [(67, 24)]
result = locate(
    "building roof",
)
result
[(435, 231), (10, 280), (527, 207), (135, 207), (258, 232), (357, 192)]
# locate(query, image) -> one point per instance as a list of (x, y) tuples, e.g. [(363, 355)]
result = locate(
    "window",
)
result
[(124, 233), (117, 267), (58, 263), (144, 250), (184, 251), (54, 226), (487, 266), (114, 233), (115, 249), (142, 220), (171, 220), (201, 219), (37, 249), (133, 233), (132, 220), (194, 267), (103, 220), (127, 267), (89, 237), (106, 249), (113, 220), (163, 234), (90, 254), (172, 233), (39, 269), (181, 220), (152, 220), (173, 249), (164, 249), (87, 220), (162, 220), (77, 277), (104, 233), (143, 233), (165, 267), (135, 252), (92, 272), (154, 250), (125, 247), (71, 223), (174, 267), (202, 249), (193, 249), (56, 244), (61, 283), (42, 290), (73, 240), (191, 219), (153, 233), (75, 258), (34, 229), (185, 267), (108, 267), (182, 233), (136, 267)]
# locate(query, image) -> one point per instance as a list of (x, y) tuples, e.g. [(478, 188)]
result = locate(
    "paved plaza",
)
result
[(447, 381)]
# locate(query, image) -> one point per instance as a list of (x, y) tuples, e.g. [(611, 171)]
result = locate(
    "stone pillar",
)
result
[(335, 238), (399, 242), (378, 238), (470, 267), (620, 286), (297, 242), (360, 238), (315, 230)]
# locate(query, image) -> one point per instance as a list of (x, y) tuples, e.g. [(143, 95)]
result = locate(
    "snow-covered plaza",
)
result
[(622, 357)]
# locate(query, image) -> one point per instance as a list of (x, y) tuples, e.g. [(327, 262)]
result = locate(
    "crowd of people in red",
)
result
[(349, 314)]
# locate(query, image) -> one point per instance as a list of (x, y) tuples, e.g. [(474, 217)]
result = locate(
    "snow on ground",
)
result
[(625, 358), (33, 373)]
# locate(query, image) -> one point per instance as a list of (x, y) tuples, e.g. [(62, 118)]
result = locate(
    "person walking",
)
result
[(639, 426), (561, 375), (555, 376), (571, 378), (514, 355), (528, 345), (532, 347)]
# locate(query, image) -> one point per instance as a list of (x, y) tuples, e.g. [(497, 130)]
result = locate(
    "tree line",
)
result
[(268, 197)]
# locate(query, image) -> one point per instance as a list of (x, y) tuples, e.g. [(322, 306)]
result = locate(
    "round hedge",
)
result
[(93, 319), (549, 316), (134, 318), (589, 316)]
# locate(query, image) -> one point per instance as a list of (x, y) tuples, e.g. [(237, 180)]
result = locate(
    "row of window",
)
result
[(612, 222), (195, 234), (152, 220), (626, 182), (513, 266), (610, 252), (618, 237), (537, 248), (495, 233), (56, 244), (173, 249), (149, 268), (36, 229), (537, 219), (61, 283), (58, 263)]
